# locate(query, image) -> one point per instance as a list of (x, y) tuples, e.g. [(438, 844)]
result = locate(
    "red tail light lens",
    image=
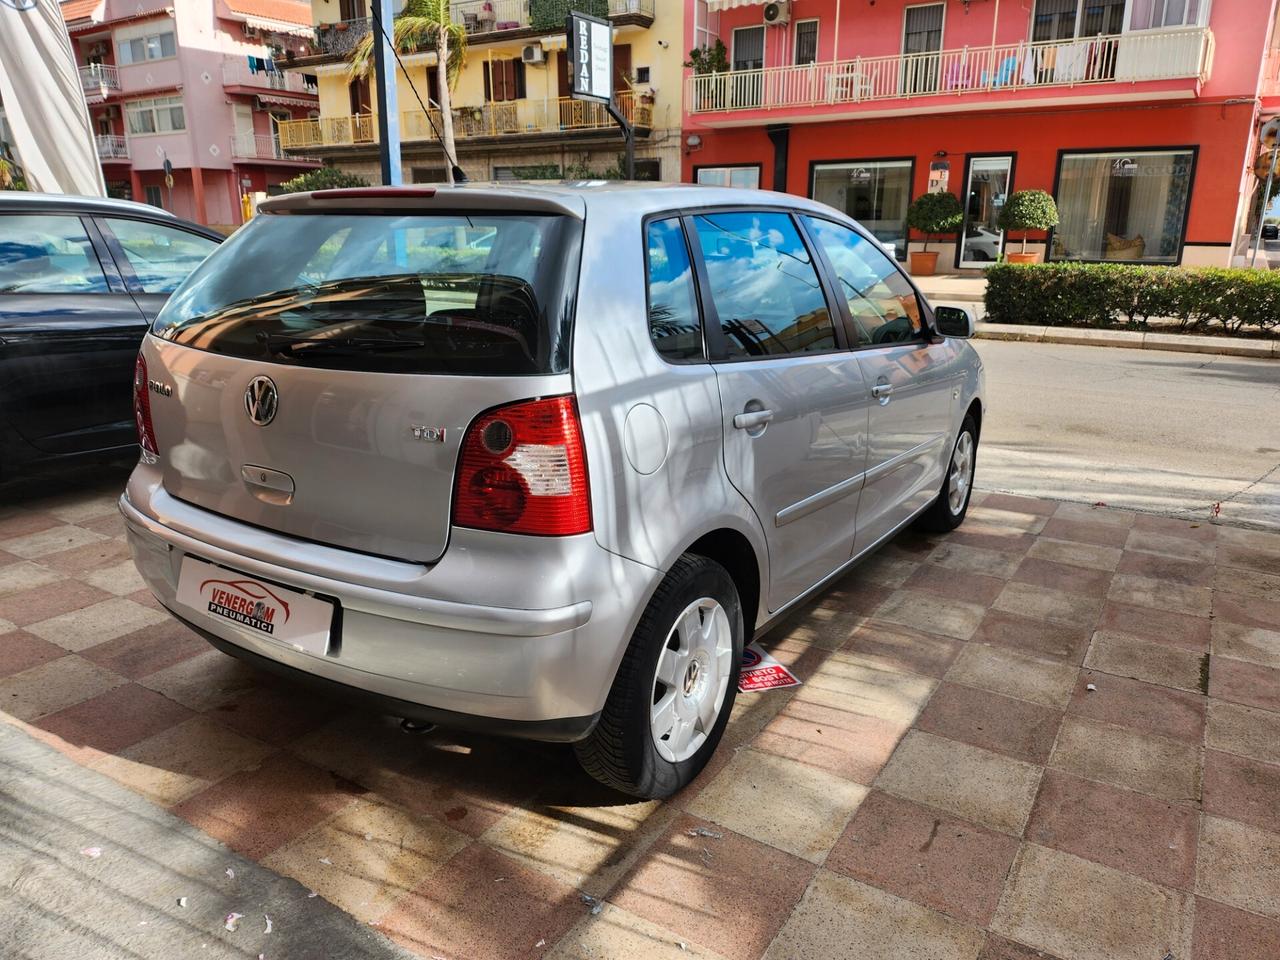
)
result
[(523, 469), (142, 408)]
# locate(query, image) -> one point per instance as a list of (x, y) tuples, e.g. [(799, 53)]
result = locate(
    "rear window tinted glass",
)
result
[(764, 285), (43, 254), (673, 306), (161, 257), (476, 294)]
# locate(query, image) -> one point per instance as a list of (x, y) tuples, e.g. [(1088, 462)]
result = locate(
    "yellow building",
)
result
[(512, 114)]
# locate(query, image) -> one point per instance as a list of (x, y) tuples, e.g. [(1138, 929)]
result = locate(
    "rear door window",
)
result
[(477, 294), (48, 254), (763, 284)]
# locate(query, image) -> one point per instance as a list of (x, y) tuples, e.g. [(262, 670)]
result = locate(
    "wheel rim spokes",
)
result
[(960, 476), (691, 679)]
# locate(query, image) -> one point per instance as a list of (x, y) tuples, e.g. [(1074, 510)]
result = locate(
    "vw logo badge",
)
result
[(261, 400)]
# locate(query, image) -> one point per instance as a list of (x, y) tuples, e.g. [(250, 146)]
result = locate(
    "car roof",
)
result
[(573, 197), (67, 202)]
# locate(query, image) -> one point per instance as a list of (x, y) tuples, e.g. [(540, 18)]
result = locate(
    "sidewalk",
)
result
[(953, 288)]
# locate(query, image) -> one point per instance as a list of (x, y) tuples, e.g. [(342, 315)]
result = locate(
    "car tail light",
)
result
[(523, 469), (142, 408)]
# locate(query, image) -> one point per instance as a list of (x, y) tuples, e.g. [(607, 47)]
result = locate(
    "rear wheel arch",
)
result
[(733, 551)]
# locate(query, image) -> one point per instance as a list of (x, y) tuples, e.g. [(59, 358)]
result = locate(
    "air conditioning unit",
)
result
[(533, 53), (777, 13)]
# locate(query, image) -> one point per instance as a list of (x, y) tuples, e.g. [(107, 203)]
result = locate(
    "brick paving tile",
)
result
[(21, 651), (204, 681), (1016, 728), (1020, 520), (618, 933), (840, 917), (146, 651), (955, 584), (851, 745), (1260, 586), (1118, 828), (890, 646), (91, 556), (1081, 910), (992, 537), (88, 626), (1225, 933), (1092, 513), (1158, 626), (1239, 865), (844, 683), (732, 898), (1034, 638), (55, 539), (1087, 555), (20, 576), (1156, 567), (49, 600), (1149, 707), (277, 714), (950, 618), (1246, 611), (919, 854), (25, 522), (1242, 789), (1181, 547), (1173, 527), (1161, 595), (1244, 731), (974, 784), (1156, 663), (1002, 671), (53, 686), (113, 720), (1009, 501), (998, 948), (1042, 603), (1246, 643), (1062, 576), (1248, 683), (979, 560), (256, 811), (792, 806), (885, 569), (1245, 558), (1157, 766), (1099, 534)]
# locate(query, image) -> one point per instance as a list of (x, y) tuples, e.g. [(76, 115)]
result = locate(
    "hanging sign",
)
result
[(589, 43)]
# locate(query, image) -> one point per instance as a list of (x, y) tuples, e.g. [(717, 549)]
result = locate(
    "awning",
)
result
[(285, 101), (714, 5), (279, 26)]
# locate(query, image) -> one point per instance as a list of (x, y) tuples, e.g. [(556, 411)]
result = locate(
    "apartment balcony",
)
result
[(263, 146), (99, 80), (236, 73), (111, 147), (970, 78), (495, 19), (492, 120), (340, 38)]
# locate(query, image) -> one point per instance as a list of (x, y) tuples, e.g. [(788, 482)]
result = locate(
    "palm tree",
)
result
[(424, 25)]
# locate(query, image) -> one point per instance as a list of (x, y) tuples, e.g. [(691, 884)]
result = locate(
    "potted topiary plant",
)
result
[(1027, 210), (932, 214)]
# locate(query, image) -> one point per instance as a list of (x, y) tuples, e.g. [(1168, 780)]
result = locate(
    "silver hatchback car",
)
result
[(538, 460)]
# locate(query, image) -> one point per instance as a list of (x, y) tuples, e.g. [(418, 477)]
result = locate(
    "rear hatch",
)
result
[(326, 361)]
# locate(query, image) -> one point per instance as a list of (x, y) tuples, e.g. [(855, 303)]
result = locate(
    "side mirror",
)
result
[(955, 322)]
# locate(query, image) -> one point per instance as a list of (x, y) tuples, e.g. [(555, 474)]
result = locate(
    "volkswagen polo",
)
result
[(538, 460)]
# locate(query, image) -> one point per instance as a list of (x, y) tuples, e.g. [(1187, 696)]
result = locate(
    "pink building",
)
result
[(194, 84), (1140, 116)]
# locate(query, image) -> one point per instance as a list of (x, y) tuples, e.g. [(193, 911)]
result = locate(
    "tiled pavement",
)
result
[(1054, 733)]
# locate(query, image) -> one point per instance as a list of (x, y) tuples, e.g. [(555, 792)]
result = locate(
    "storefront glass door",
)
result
[(985, 193), (874, 192)]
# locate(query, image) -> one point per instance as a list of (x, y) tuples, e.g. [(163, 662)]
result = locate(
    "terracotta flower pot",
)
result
[(342, 26), (923, 262), (1022, 257)]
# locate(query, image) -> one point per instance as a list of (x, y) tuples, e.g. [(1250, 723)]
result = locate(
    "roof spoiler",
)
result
[(440, 198)]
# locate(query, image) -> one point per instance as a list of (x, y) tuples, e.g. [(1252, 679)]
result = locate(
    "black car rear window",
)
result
[(470, 294)]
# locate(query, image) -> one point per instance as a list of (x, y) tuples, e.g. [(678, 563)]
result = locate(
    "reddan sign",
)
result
[(589, 42)]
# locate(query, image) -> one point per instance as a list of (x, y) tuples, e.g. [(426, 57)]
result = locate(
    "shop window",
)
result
[(1129, 207), (746, 177), (876, 193)]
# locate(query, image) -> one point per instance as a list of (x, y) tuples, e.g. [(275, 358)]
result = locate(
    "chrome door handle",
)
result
[(749, 421), (881, 391)]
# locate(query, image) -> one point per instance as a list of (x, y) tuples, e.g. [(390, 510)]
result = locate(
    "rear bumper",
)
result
[(504, 634)]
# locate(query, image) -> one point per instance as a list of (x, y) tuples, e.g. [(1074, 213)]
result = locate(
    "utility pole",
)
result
[(384, 13)]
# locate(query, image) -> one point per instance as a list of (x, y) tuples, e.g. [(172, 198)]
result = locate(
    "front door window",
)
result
[(985, 194), (921, 43), (748, 56)]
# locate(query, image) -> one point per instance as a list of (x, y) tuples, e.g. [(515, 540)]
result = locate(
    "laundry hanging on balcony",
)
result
[(714, 5)]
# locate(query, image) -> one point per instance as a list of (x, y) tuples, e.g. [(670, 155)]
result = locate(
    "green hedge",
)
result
[(550, 14), (1206, 299)]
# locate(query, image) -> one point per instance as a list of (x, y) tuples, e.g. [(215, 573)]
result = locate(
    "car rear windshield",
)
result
[(468, 294)]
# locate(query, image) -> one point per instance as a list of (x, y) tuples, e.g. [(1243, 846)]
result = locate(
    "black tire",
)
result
[(940, 518), (620, 752)]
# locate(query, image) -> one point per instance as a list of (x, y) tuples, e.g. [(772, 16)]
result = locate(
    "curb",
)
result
[(1133, 340)]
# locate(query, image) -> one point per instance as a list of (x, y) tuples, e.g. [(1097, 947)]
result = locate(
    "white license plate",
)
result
[(263, 609)]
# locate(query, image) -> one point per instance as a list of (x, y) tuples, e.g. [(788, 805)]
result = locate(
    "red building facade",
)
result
[(1139, 116)]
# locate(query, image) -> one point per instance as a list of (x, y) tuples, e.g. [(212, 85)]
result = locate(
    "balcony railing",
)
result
[(340, 38), (111, 147), (97, 79), (236, 72), (1121, 58), (262, 146), (492, 119), (486, 16)]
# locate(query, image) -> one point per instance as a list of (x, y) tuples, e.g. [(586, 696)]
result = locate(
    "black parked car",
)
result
[(1270, 231), (81, 279)]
